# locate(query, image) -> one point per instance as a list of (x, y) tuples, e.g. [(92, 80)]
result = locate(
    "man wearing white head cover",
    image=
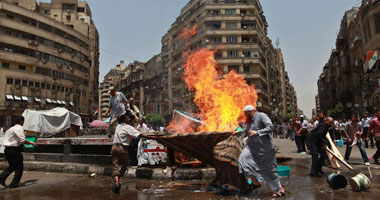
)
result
[(257, 161)]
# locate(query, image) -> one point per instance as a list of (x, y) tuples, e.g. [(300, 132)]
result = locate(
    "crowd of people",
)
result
[(310, 136)]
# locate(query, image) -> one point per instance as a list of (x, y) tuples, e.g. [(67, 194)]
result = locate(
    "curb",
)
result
[(132, 172)]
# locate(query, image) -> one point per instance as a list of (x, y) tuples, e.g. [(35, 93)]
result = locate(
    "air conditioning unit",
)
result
[(68, 10), (35, 43), (17, 86), (54, 78), (60, 50), (82, 59), (242, 14), (59, 65), (72, 54), (30, 41), (71, 69), (86, 74), (44, 61)]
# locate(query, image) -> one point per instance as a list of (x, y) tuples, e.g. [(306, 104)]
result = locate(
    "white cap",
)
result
[(301, 116), (249, 108)]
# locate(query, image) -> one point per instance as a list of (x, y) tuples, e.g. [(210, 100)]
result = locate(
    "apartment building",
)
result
[(49, 57), (351, 75), (240, 27)]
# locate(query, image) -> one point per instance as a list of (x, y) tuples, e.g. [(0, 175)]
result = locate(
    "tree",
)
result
[(155, 120)]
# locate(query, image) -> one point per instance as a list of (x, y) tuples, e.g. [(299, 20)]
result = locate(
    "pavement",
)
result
[(155, 183)]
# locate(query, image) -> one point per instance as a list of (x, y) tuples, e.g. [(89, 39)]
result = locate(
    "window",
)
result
[(48, 86), (68, 17), (58, 88), (232, 54), (53, 87), (22, 67), (17, 82), (43, 85), (217, 40), (233, 67), (231, 39), (246, 68), (9, 16), (230, 25), (80, 9), (31, 84), (10, 81), (229, 1), (5, 65), (37, 84), (247, 54), (47, 12), (24, 83), (217, 54), (213, 25), (230, 11), (158, 108), (377, 23)]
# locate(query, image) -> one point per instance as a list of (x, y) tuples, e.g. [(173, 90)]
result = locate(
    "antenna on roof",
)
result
[(277, 42)]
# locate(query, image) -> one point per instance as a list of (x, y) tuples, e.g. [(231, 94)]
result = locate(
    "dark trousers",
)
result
[(361, 148), (15, 161), (377, 154), (365, 131), (300, 142), (318, 157), (305, 143)]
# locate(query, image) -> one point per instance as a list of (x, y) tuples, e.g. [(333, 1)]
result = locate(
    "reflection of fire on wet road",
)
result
[(220, 100)]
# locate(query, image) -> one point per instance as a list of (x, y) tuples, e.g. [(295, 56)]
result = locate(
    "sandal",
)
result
[(279, 193)]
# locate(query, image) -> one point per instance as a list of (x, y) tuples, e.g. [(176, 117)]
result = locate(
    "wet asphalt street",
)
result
[(42, 185)]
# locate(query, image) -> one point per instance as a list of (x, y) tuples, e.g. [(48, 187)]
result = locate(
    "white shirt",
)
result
[(365, 122), (124, 133), (14, 137), (142, 128)]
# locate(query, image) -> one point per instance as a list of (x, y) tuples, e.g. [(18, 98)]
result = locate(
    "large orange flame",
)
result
[(220, 100)]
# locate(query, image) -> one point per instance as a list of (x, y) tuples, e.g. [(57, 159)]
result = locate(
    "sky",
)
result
[(132, 29)]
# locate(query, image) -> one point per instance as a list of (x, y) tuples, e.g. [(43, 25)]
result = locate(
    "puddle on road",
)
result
[(299, 186)]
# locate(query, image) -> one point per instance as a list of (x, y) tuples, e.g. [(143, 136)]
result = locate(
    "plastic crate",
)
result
[(30, 138)]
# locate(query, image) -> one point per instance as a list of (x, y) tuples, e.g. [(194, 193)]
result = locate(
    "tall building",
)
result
[(351, 76), (49, 55), (241, 28)]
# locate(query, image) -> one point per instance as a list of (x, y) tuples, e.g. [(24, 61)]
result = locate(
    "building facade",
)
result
[(49, 55), (241, 28), (350, 79)]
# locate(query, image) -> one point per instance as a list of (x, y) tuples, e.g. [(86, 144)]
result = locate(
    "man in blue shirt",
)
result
[(117, 106)]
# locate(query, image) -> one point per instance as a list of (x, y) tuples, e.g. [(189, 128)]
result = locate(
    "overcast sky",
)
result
[(132, 30)]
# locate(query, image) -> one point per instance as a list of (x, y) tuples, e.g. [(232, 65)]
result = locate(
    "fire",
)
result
[(220, 100)]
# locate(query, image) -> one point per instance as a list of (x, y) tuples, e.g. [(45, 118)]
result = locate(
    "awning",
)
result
[(54, 101), (17, 98), (71, 103), (63, 102), (48, 100), (24, 98), (59, 102), (37, 99), (9, 97)]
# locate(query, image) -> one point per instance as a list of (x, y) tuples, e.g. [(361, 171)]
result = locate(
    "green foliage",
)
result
[(337, 111), (155, 120)]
